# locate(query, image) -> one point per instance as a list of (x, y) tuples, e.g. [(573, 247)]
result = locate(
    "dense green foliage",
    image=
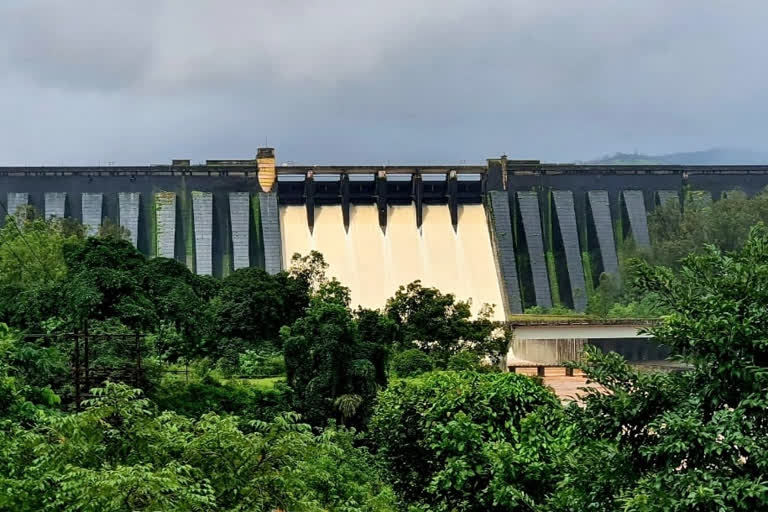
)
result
[(121, 454), (677, 230), (209, 394), (329, 367), (694, 440), (451, 433), (440, 325), (656, 441), (411, 362), (452, 440), (252, 306), (724, 223), (261, 363), (53, 278)]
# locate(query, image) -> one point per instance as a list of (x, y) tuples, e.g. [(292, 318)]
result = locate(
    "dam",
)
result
[(511, 233)]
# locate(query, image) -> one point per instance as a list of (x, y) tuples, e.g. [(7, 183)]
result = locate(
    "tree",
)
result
[(693, 440), (468, 441), (33, 267), (251, 307), (180, 301), (442, 326), (32, 249), (377, 332), (327, 363), (411, 363), (111, 229), (309, 270), (104, 283), (120, 454), (724, 223)]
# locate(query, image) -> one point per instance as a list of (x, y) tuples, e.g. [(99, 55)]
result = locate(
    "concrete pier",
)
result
[(202, 207)]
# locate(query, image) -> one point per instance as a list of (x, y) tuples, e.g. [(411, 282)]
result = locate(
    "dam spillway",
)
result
[(514, 233), (374, 262)]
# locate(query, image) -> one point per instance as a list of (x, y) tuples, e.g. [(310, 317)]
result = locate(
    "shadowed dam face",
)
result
[(374, 264)]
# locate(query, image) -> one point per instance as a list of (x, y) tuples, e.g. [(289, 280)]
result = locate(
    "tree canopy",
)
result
[(333, 372)]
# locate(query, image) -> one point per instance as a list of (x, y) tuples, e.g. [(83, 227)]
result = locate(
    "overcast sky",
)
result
[(359, 81)]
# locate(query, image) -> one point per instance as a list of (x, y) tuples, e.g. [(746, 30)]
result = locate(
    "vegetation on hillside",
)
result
[(714, 156)]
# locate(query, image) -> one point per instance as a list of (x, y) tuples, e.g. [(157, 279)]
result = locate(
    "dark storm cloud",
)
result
[(368, 81)]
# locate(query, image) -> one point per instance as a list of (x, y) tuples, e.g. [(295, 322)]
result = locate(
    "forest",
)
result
[(261, 392)]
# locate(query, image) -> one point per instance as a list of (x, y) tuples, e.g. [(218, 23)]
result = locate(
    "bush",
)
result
[(411, 363), (195, 399), (470, 442), (253, 363), (120, 454), (468, 361)]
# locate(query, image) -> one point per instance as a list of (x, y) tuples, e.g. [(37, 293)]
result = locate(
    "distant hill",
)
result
[(716, 156)]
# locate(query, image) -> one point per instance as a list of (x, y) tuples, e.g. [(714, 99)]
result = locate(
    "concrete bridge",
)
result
[(554, 227)]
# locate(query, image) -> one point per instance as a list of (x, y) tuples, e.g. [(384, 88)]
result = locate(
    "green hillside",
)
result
[(715, 156)]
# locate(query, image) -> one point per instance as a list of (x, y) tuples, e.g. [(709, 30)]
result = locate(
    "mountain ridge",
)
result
[(713, 156)]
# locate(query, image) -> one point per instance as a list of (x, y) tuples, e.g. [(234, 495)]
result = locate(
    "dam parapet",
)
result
[(516, 233)]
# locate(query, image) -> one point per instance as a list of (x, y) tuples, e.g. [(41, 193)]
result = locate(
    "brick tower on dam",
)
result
[(515, 233)]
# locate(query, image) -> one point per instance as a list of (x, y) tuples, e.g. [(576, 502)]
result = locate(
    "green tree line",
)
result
[(340, 433)]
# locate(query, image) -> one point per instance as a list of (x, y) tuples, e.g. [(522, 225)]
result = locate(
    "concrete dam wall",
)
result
[(510, 233)]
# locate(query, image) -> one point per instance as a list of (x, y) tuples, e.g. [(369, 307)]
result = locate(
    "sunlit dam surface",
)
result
[(374, 264)]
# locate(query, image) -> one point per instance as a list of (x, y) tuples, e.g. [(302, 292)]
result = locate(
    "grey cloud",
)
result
[(77, 45), (370, 81)]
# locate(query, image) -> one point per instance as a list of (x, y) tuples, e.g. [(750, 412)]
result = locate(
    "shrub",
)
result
[(195, 399), (466, 360), (253, 363), (468, 441), (411, 363), (120, 454)]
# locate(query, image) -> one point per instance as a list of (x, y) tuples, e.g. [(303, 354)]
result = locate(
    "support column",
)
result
[(345, 200), (202, 214), (92, 204), (668, 196), (17, 200), (128, 214), (270, 223), (453, 203), (239, 216), (418, 196), (381, 199), (566, 219), (601, 216), (529, 211), (638, 217), (501, 222), (55, 204), (309, 200), (165, 224)]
